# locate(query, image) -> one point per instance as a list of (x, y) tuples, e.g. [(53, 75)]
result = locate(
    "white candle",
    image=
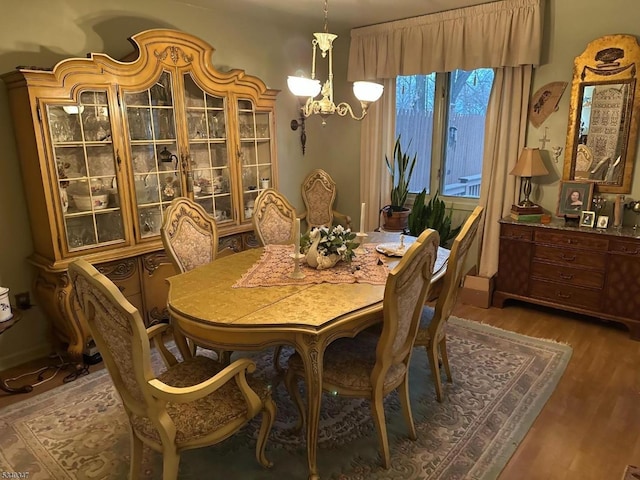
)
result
[(296, 236), (362, 212)]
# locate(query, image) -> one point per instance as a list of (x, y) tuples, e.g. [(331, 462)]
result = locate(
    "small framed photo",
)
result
[(574, 198), (587, 218), (603, 221)]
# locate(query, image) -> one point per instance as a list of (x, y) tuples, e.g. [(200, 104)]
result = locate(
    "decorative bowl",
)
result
[(95, 202)]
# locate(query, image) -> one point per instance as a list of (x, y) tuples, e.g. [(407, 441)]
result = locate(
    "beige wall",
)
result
[(42, 32)]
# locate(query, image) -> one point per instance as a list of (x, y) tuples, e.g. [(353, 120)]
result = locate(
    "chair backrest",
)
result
[(119, 333), (453, 275), (273, 218), (404, 296), (189, 234), (318, 195)]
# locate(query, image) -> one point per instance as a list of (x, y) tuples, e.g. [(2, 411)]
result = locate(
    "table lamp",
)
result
[(529, 165)]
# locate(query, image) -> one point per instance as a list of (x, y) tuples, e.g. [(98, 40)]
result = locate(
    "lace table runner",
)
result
[(275, 265)]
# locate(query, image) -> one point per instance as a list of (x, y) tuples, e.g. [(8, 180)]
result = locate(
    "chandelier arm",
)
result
[(343, 108), (313, 61)]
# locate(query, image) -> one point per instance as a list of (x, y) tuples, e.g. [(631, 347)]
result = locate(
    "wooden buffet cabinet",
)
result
[(106, 145), (583, 270)]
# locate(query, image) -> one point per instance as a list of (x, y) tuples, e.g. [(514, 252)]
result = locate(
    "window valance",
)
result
[(500, 34)]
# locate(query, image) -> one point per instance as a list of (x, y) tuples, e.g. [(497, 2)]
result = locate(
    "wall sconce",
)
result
[(295, 124)]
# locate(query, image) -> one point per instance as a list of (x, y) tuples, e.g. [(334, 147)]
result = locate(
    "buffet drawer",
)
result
[(568, 256), (625, 248), (586, 241), (565, 294), (568, 275), (516, 232)]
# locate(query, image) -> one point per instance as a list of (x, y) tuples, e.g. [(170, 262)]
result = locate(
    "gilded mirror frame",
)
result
[(604, 114)]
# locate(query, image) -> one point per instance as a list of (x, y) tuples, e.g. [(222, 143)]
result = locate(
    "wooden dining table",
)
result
[(207, 305)]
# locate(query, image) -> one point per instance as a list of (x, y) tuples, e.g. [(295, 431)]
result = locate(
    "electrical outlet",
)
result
[(23, 301)]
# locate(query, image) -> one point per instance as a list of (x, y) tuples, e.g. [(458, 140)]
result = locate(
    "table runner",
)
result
[(275, 265)]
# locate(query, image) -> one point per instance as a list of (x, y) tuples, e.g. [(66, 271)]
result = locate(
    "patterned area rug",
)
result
[(501, 382), (631, 473)]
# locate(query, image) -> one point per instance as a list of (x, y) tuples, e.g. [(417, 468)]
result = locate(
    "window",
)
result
[(445, 130)]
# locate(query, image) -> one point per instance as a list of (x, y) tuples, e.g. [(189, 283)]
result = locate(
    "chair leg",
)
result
[(136, 456), (276, 359), (268, 417), (291, 382), (432, 353), (224, 357), (377, 411), (445, 358), (170, 464), (403, 392)]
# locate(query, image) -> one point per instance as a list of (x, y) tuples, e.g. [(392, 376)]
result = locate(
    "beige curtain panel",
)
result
[(500, 34)]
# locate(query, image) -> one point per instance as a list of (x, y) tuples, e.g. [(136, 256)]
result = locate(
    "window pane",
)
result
[(415, 96), (468, 98)]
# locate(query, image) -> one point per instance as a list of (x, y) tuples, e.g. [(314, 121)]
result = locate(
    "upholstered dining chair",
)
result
[(273, 218), (372, 366), (192, 404), (318, 195), (189, 234), (431, 334)]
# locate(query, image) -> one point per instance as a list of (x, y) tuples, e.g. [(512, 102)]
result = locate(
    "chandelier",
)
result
[(309, 88)]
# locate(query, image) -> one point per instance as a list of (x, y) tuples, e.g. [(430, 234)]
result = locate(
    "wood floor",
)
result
[(590, 427)]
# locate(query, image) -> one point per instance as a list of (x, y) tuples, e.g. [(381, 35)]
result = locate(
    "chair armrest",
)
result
[(237, 370), (155, 335)]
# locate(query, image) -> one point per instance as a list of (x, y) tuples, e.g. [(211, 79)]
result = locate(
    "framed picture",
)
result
[(603, 221), (587, 218), (574, 198)]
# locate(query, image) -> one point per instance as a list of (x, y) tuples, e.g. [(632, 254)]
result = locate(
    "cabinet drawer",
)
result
[(566, 294), (516, 232), (568, 275), (571, 257), (586, 241), (625, 248)]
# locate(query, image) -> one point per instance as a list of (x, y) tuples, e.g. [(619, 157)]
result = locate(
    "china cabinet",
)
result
[(583, 270), (106, 145)]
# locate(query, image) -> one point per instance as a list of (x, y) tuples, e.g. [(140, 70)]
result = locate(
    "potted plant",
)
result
[(400, 168), (432, 215)]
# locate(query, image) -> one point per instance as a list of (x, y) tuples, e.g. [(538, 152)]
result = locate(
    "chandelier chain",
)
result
[(326, 16)]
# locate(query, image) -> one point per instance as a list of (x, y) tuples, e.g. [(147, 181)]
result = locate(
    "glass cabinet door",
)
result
[(150, 118), (86, 171), (255, 153), (209, 169)]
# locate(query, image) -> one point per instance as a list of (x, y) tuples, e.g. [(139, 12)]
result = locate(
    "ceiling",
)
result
[(345, 14)]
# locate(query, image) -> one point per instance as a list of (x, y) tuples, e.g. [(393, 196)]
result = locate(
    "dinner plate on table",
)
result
[(392, 249)]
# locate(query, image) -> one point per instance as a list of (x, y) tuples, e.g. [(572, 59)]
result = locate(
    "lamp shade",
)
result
[(303, 87), (367, 91), (529, 164)]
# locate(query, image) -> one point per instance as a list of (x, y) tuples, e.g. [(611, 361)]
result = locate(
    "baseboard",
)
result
[(25, 356)]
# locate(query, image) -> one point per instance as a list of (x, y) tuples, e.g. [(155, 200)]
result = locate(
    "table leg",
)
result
[(312, 352)]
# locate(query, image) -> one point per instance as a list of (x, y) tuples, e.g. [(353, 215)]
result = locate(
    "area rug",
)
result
[(631, 473), (501, 382)]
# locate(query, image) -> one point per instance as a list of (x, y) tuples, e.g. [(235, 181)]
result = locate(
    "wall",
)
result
[(41, 33), (570, 26)]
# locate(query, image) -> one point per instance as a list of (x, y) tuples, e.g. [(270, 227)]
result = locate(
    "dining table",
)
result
[(248, 301)]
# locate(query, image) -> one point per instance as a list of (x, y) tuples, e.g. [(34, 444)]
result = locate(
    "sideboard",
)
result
[(584, 270)]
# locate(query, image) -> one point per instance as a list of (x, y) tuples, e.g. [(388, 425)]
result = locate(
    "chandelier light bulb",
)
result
[(367, 91)]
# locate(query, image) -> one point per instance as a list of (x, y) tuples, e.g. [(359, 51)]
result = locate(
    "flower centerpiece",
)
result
[(324, 246)]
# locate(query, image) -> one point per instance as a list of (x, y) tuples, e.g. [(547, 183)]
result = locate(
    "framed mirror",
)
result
[(603, 116)]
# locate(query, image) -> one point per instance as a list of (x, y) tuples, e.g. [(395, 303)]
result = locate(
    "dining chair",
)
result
[(431, 334), (319, 194), (190, 238), (195, 403), (372, 366), (273, 218)]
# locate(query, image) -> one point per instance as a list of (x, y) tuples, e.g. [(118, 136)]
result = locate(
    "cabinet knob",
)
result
[(566, 276), (563, 295), (570, 258)]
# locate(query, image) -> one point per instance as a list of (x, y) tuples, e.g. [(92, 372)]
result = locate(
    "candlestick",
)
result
[(617, 211), (296, 236), (361, 250), (362, 213)]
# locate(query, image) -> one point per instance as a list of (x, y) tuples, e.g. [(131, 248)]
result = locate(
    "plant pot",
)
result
[(396, 220)]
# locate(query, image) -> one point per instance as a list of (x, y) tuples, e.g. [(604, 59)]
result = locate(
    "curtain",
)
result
[(504, 139), (376, 138), (507, 33)]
